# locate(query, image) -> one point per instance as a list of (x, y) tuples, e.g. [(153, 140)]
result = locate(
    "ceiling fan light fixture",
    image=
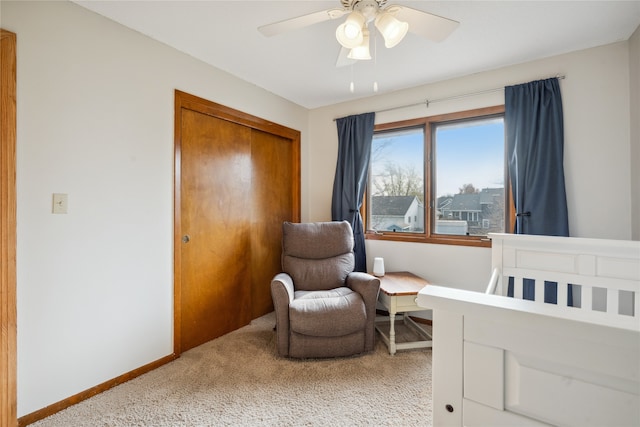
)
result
[(350, 34), (361, 52), (392, 30)]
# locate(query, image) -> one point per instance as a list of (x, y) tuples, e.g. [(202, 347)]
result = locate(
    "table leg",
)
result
[(392, 332)]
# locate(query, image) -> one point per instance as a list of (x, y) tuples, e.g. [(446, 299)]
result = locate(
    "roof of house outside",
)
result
[(465, 202), (487, 195), (391, 205), (470, 202)]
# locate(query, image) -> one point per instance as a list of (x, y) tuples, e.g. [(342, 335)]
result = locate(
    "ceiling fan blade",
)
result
[(424, 24), (343, 59), (300, 22)]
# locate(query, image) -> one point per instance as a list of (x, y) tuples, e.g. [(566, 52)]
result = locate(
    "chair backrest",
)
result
[(317, 255)]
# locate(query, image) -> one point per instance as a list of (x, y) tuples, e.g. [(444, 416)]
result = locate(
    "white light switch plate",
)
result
[(60, 203)]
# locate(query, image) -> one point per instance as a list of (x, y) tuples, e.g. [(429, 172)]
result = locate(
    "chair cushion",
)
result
[(331, 313), (316, 240), (318, 274)]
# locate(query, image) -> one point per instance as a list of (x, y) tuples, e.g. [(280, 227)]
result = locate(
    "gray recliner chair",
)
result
[(323, 308)]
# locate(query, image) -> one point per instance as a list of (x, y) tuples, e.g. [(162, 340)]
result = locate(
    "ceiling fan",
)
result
[(392, 22)]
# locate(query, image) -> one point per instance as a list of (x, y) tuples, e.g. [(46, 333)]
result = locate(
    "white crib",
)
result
[(507, 361)]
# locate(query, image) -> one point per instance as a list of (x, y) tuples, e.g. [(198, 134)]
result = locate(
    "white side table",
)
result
[(398, 293)]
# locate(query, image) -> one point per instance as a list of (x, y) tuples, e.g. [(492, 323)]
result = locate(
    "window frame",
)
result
[(427, 124)]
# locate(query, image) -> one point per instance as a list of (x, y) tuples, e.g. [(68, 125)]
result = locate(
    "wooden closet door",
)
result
[(215, 223), (237, 179)]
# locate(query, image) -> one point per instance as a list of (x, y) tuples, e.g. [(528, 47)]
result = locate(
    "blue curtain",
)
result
[(355, 134), (535, 148)]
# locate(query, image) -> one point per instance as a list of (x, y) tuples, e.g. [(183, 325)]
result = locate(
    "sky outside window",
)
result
[(469, 153)]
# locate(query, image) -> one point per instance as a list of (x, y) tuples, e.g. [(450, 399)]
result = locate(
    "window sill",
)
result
[(478, 241)]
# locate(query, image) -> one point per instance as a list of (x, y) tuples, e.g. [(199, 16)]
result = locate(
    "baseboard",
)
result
[(83, 395)]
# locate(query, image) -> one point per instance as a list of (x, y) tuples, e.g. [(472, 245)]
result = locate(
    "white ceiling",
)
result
[(300, 65)]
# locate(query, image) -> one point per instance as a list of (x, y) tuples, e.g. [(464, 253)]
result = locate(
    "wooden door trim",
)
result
[(187, 101), (8, 311), (210, 108)]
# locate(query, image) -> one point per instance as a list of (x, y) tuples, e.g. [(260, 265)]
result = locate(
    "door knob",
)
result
[(186, 238)]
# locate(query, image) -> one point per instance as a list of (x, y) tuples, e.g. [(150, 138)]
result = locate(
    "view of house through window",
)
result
[(438, 177)]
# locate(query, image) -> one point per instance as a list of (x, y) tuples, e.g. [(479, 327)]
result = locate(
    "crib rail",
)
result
[(591, 280)]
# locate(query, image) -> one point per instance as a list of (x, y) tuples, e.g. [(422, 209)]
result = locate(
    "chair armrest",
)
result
[(368, 287), (282, 292), (282, 285)]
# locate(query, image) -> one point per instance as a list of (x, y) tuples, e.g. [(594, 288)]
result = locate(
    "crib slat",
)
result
[(587, 298), (563, 291), (539, 292), (517, 287), (503, 286), (613, 301)]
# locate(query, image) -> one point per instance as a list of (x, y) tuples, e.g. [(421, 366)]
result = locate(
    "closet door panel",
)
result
[(272, 157), (215, 195)]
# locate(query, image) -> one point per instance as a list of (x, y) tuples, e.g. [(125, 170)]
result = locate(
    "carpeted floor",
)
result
[(237, 380)]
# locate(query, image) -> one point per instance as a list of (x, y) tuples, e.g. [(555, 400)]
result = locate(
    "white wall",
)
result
[(634, 74), (95, 120), (597, 143)]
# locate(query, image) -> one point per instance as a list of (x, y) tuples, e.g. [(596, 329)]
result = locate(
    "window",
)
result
[(448, 172)]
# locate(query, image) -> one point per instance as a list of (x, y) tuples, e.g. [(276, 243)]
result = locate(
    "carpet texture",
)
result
[(238, 380)]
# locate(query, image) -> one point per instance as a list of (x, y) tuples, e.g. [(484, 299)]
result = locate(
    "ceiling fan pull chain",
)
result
[(375, 61), (352, 87)]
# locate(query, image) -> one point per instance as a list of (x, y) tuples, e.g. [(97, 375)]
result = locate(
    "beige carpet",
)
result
[(237, 380)]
